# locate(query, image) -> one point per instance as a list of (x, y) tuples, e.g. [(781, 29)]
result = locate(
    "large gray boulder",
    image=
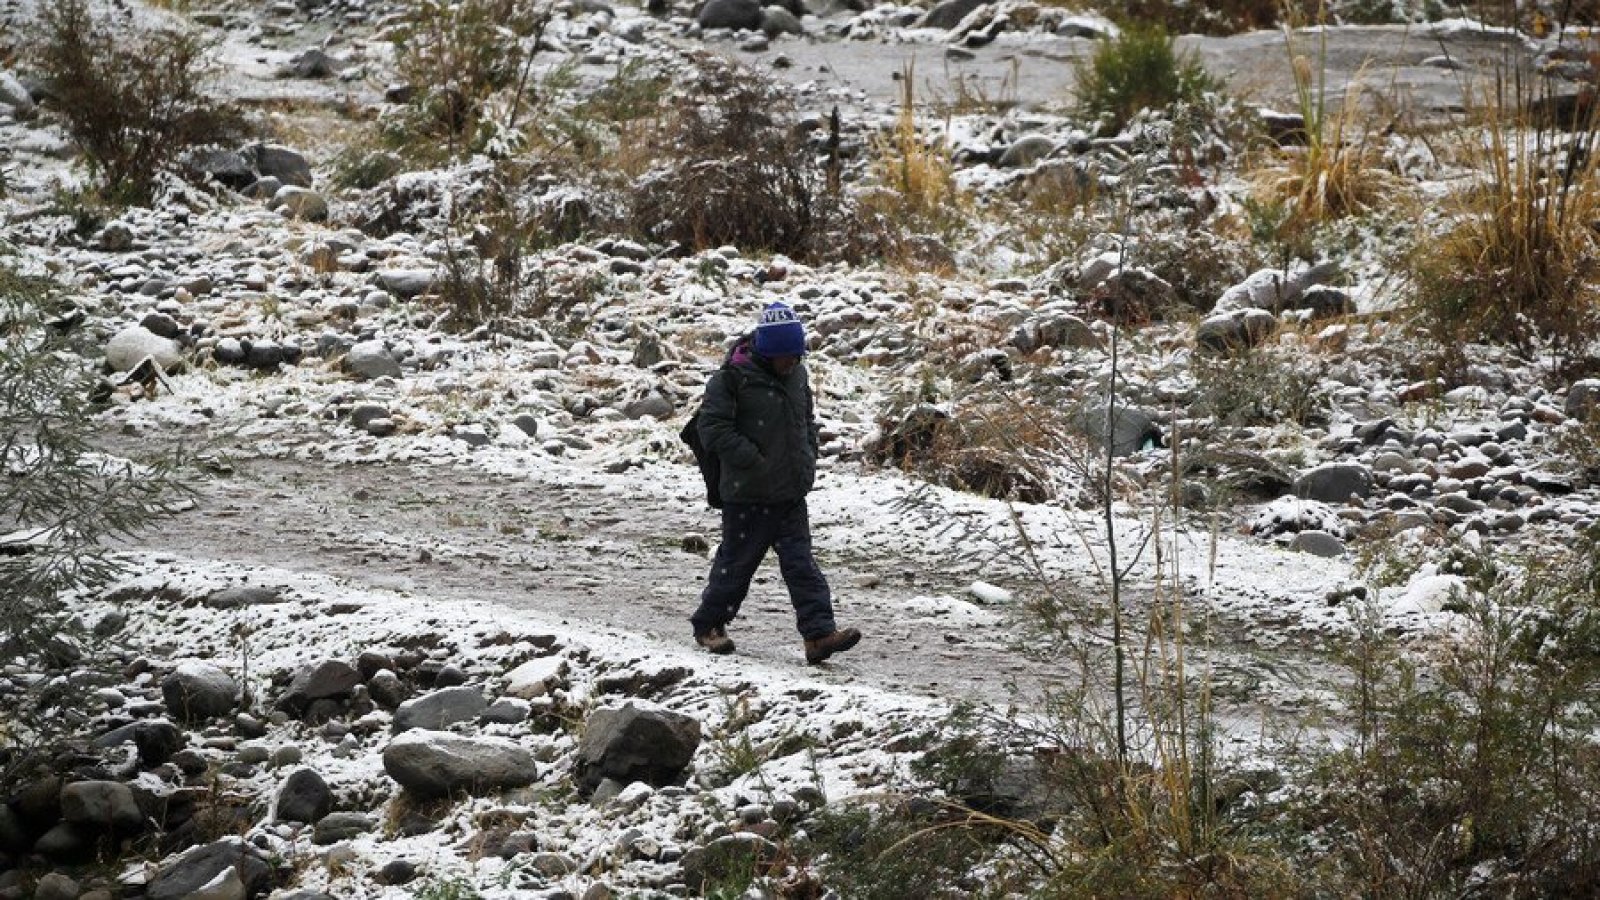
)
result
[(407, 283), (274, 161), (776, 20), (949, 14), (196, 691), (1132, 430), (102, 806), (1582, 398), (14, 95), (732, 14), (1335, 483), (304, 797), (370, 359), (1236, 331), (323, 681), (632, 744), (438, 710), (1026, 151), (439, 764), (197, 869), (129, 347), (300, 203)]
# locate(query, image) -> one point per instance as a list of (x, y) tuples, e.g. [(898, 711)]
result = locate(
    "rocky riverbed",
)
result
[(421, 627)]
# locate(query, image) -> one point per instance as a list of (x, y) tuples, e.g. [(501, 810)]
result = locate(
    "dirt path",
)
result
[(578, 554), (590, 553)]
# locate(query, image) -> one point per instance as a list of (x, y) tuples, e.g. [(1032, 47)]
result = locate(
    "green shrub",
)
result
[(1136, 70), (468, 63), (1474, 765), (69, 499), (131, 97)]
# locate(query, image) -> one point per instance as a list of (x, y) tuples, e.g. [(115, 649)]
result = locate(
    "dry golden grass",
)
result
[(919, 175), (1516, 258)]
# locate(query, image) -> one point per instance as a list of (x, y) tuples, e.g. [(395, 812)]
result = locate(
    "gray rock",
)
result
[(438, 763), (471, 435), (1026, 151), (102, 806), (1582, 398), (650, 406), (364, 413), (949, 13), (304, 797), (369, 359), (115, 238), (197, 868), (342, 826), (1273, 289), (226, 167), (196, 691), (440, 709), (301, 203), (156, 739), (226, 886), (776, 20), (1335, 483), (1317, 543), (407, 283), (1132, 430), (397, 871), (1324, 302), (130, 346), (229, 352), (732, 14), (242, 596), (313, 64), (325, 680), (386, 689), (527, 424), (506, 711), (1058, 330), (162, 325), (64, 841), (1235, 331), (56, 886), (632, 744), (15, 95), (289, 166)]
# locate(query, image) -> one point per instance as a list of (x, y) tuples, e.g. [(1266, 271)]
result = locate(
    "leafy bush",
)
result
[(1517, 257), (1264, 386), (1136, 70), (59, 502), (1474, 769), (132, 97), (731, 169), (468, 63)]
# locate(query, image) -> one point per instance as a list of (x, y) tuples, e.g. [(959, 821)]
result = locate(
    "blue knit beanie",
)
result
[(779, 332)]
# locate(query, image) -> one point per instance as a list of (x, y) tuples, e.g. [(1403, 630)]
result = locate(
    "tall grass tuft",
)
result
[(1337, 172), (1516, 257)]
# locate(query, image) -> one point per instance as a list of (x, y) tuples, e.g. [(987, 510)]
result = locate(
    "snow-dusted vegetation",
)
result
[(1207, 452)]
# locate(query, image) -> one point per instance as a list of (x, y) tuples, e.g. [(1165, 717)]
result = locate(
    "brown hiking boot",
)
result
[(716, 640), (838, 642)]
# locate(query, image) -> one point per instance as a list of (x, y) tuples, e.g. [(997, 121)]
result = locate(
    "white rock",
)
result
[(535, 677), (989, 594), (131, 345)]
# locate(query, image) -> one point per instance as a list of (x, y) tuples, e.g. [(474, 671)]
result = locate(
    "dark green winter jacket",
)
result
[(763, 427)]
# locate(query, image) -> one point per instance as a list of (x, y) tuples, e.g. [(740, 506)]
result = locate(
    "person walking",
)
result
[(758, 417)]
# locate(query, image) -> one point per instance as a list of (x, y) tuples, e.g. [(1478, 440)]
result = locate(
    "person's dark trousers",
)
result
[(748, 530)]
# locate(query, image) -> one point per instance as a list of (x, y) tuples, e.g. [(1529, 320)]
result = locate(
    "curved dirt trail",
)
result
[(581, 555)]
